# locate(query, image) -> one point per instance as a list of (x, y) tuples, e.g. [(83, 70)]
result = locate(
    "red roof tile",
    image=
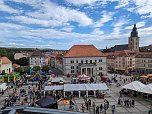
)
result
[(5, 60), (83, 51)]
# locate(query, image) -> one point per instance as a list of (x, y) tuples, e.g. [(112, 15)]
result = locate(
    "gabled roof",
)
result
[(120, 47), (144, 55), (5, 60), (83, 51), (37, 53), (15, 65), (124, 53)]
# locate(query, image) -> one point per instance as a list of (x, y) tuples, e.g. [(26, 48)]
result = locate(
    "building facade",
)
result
[(84, 59), (37, 59), (133, 40), (0, 65), (20, 55), (121, 61), (144, 63), (6, 66)]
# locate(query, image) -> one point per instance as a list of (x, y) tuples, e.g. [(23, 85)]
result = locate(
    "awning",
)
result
[(136, 85), (146, 89), (53, 87)]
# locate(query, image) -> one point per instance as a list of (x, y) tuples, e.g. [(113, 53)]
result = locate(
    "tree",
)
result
[(18, 69), (22, 61), (36, 68), (27, 69), (45, 69)]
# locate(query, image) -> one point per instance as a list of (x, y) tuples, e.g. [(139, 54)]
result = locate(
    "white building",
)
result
[(37, 59), (6, 66), (20, 55), (84, 59)]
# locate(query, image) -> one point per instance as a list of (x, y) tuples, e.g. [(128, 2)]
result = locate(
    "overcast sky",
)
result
[(59, 24)]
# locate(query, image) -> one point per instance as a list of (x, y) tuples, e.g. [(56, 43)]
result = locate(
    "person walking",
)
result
[(97, 110), (133, 103), (113, 109), (94, 107), (101, 107)]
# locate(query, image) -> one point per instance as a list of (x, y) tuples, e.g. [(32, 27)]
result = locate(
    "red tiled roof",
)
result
[(125, 53), (83, 51), (5, 60), (15, 65)]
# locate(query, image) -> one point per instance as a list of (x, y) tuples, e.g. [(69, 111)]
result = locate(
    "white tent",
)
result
[(3, 86), (54, 87), (136, 85), (146, 89)]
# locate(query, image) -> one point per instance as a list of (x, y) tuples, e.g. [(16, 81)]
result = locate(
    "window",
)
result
[(72, 61), (35, 57), (100, 68), (90, 61), (100, 60), (77, 67), (40, 61), (76, 61), (35, 61), (72, 71), (95, 61), (77, 71), (81, 61), (86, 61), (72, 67)]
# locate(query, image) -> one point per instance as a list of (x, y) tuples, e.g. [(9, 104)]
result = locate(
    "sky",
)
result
[(59, 24)]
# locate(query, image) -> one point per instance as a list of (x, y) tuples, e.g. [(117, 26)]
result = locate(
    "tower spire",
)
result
[(134, 32)]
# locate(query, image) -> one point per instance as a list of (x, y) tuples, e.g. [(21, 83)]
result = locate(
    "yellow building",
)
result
[(121, 61), (144, 63)]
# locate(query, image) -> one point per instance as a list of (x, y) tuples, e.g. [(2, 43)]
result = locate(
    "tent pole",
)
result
[(87, 93), (44, 93), (79, 94), (64, 93), (95, 93)]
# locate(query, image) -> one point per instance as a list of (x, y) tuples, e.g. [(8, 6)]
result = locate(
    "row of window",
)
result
[(72, 67), (36, 58), (85, 61)]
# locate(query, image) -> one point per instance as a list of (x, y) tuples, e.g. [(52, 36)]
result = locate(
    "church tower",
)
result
[(133, 40)]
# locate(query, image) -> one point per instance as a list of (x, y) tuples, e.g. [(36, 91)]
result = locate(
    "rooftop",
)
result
[(37, 53), (5, 60), (83, 51), (144, 55)]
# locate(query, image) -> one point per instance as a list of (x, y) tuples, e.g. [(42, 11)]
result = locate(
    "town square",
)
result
[(75, 57)]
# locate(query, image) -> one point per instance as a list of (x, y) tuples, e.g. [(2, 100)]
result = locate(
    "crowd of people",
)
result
[(97, 109), (126, 102), (20, 96)]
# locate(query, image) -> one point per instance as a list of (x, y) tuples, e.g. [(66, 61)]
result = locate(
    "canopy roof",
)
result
[(78, 87), (146, 89), (54, 87), (85, 87), (135, 85)]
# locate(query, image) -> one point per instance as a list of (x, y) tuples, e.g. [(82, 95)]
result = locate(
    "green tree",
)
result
[(18, 69), (45, 69), (36, 68), (27, 69)]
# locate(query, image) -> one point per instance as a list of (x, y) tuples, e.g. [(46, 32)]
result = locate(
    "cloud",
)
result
[(141, 7), (97, 31), (49, 14), (6, 8), (88, 2), (106, 17), (139, 25)]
